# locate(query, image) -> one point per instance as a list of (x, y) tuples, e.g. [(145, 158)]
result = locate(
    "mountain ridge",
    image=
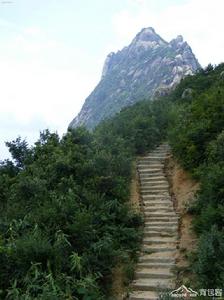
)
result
[(148, 66)]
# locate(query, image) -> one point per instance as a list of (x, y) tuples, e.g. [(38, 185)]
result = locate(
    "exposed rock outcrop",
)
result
[(147, 65)]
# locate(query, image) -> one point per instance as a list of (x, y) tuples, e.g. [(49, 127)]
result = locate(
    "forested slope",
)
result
[(65, 219), (65, 214), (197, 138)]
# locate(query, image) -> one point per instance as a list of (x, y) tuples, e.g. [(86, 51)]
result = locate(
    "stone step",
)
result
[(165, 216), (160, 148), (149, 168), (158, 209), (163, 148), (154, 154), (167, 229), (152, 191), (165, 257), (153, 158), (155, 192), (156, 197), (159, 194), (161, 183), (153, 273), (158, 248), (161, 224), (163, 227), (148, 185), (147, 199), (162, 219), (159, 240), (153, 164), (155, 265), (155, 188), (151, 177), (143, 295), (152, 284), (148, 175), (160, 153), (157, 202), (154, 178), (152, 202), (154, 233), (160, 233), (161, 214), (150, 163), (155, 184), (148, 205), (151, 171)]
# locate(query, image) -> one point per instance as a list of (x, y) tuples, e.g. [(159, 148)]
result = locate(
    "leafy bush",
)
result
[(197, 139), (210, 259), (66, 220)]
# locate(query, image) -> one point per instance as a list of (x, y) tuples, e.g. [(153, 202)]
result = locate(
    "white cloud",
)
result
[(33, 30), (30, 90), (41, 80), (200, 22)]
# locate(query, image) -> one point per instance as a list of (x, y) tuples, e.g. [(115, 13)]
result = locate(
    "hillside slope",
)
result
[(65, 222)]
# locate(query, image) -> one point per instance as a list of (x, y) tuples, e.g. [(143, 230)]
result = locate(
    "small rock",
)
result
[(187, 94), (222, 75)]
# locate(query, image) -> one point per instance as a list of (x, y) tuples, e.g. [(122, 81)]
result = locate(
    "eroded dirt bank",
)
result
[(182, 191)]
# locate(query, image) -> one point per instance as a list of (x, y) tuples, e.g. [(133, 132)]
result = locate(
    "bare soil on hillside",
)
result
[(182, 191)]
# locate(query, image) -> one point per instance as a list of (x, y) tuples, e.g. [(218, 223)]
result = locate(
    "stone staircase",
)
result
[(157, 258)]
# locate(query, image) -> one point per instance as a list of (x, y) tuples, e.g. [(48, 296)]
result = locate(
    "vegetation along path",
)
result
[(157, 258)]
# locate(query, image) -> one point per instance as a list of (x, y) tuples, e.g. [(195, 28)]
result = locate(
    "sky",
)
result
[(52, 52)]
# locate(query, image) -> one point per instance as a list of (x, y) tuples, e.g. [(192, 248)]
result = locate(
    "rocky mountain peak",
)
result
[(177, 41), (147, 38), (147, 34), (149, 66)]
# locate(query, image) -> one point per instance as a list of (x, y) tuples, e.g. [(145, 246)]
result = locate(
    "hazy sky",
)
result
[(52, 51)]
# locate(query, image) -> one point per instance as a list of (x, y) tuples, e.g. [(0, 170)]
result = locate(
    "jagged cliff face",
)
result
[(149, 66)]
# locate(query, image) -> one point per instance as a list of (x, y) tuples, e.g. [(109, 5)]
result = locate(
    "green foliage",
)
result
[(66, 220), (141, 126), (196, 125), (197, 138), (19, 151), (210, 259)]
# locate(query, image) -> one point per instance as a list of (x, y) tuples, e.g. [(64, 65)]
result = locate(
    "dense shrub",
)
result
[(65, 219), (210, 259), (197, 139)]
